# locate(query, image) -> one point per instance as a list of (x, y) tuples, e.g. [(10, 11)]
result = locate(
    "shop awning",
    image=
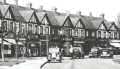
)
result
[(115, 44), (8, 41), (115, 41), (79, 42)]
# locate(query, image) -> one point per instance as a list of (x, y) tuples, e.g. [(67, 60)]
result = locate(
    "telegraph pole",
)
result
[(47, 41), (2, 45)]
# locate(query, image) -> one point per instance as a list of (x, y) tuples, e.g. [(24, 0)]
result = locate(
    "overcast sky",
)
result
[(111, 8)]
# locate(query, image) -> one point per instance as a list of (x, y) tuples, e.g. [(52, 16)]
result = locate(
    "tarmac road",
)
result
[(95, 63)]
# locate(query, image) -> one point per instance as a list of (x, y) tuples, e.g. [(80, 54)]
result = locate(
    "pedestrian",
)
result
[(71, 50)]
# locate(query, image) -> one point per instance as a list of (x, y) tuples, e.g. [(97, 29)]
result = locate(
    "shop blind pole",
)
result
[(16, 47)]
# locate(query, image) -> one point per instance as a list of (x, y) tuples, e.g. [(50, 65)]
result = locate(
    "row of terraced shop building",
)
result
[(29, 31)]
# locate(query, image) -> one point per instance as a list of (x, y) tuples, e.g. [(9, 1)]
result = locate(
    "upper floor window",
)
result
[(115, 35), (93, 34), (87, 34), (105, 34), (46, 30), (41, 29), (99, 34), (4, 25), (11, 26), (82, 33)]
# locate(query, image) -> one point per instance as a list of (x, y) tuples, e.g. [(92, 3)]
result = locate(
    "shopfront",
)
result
[(33, 49), (9, 47)]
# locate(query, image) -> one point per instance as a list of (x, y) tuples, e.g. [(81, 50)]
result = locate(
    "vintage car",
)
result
[(54, 55), (77, 53), (106, 53), (94, 52)]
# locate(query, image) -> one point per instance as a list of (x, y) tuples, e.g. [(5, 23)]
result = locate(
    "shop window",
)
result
[(7, 47)]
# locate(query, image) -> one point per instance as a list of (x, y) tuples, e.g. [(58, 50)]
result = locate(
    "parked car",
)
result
[(106, 53), (77, 53), (54, 55), (94, 52)]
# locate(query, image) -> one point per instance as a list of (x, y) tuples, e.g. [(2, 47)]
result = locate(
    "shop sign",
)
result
[(67, 39)]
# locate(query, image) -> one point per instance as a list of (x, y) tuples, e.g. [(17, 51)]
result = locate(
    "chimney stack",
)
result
[(41, 7), (79, 13), (4, 1), (102, 15), (55, 9), (30, 5), (16, 2), (90, 14)]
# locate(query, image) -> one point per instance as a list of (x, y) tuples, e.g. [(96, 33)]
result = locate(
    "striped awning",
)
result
[(8, 41), (115, 44)]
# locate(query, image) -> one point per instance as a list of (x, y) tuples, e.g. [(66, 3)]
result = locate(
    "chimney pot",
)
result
[(4, 1), (90, 14), (16, 2), (103, 15), (79, 13), (41, 7), (55, 9)]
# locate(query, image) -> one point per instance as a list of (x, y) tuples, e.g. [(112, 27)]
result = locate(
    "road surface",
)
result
[(84, 64)]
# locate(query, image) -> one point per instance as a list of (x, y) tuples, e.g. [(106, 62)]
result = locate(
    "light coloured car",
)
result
[(54, 55)]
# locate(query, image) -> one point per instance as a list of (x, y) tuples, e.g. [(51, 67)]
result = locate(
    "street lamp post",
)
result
[(2, 45)]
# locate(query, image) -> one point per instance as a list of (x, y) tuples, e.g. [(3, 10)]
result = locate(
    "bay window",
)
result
[(41, 29), (11, 26), (99, 34)]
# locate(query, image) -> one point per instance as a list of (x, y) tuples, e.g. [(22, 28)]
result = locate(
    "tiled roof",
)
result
[(40, 15), (26, 14), (17, 14), (4, 9), (112, 24), (74, 19)]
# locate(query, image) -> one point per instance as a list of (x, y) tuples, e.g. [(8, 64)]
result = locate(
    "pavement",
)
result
[(30, 63)]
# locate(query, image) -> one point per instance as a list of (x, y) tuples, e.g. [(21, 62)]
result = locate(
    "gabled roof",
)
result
[(112, 24), (16, 14), (118, 25), (61, 19), (26, 14), (74, 19), (3, 9), (40, 15), (55, 18)]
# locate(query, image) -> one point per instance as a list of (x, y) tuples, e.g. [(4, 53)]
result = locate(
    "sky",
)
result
[(111, 8)]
